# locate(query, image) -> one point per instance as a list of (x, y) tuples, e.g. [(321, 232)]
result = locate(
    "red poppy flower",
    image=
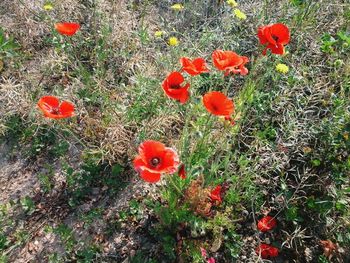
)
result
[(328, 248), (52, 108), (218, 104), (155, 159), (274, 37), (266, 223), (67, 29), (182, 172), (173, 89), (194, 67), (215, 195), (230, 62), (267, 251)]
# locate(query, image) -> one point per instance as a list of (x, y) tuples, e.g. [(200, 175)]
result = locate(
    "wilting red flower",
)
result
[(194, 67), (52, 108), (230, 62), (215, 195), (173, 89), (230, 120), (274, 37), (182, 171), (328, 248), (155, 159), (218, 104), (203, 252), (66, 28), (266, 223), (267, 251), (205, 256)]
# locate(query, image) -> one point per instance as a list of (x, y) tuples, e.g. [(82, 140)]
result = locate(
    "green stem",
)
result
[(171, 180), (203, 139), (266, 10), (71, 133)]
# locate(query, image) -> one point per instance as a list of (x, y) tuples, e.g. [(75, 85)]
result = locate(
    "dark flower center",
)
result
[(215, 107), (275, 38), (55, 110), (173, 86), (155, 161)]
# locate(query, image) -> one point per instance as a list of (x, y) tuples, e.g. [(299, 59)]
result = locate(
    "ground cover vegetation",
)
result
[(174, 131)]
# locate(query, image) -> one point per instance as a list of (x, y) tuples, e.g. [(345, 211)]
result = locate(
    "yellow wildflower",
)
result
[(48, 7), (239, 14), (158, 33), (282, 68), (232, 3), (177, 7), (173, 41)]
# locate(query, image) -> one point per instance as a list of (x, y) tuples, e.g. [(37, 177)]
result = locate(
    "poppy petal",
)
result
[(51, 108), (195, 67), (155, 159), (48, 102), (215, 194), (172, 88), (175, 78), (276, 49), (170, 161), (67, 109), (182, 172), (229, 62), (150, 149), (67, 28), (149, 176), (282, 32), (138, 163), (218, 104), (266, 223), (185, 62), (261, 35), (267, 251), (200, 65), (270, 38)]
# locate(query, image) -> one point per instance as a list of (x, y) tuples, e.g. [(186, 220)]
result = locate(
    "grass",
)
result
[(287, 154)]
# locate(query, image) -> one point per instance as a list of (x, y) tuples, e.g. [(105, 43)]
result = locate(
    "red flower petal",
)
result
[(67, 28), (66, 109), (150, 177), (276, 49), (194, 67), (267, 251), (225, 59), (218, 104), (175, 78), (51, 108), (154, 159), (280, 31), (261, 35), (274, 37), (173, 89), (215, 194), (182, 172), (139, 163), (267, 223), (151, 149), (230, 62)]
